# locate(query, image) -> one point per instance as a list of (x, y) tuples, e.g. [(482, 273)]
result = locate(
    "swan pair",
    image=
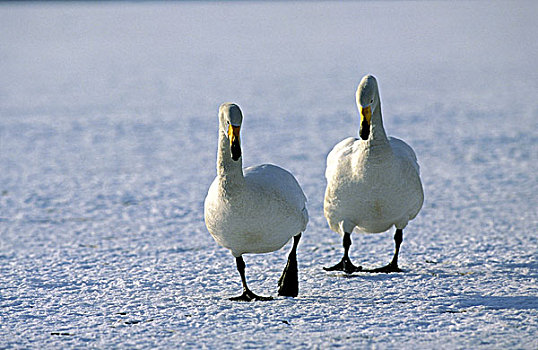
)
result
[(373, 183)]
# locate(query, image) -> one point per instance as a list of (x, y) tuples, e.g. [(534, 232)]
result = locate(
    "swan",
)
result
[(253, 210), (373, 182)]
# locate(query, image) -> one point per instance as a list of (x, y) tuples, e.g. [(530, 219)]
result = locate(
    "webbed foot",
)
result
[(344, 265), (385, 269), (248, 295), (289, 281), (393, 266)]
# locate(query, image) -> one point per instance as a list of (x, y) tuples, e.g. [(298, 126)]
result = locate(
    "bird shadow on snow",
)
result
[(516, 302), (369, 276)]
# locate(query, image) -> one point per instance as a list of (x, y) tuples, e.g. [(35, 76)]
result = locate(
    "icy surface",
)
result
[(108, 133)]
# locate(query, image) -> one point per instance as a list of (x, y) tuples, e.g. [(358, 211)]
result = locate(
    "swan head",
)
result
[(230, 119), (367, 102)]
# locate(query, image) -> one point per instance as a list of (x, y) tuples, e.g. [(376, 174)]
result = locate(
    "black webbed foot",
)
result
[(393, 266), (289, 281), (248, 295), (288, 284), (385, 269), (344, 265)]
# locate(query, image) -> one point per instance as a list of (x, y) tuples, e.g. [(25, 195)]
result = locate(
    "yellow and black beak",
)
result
[(235, 145), (366, 121)]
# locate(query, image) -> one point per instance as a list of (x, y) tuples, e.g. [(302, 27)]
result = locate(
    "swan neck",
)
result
[(378, 131), (231, 169)]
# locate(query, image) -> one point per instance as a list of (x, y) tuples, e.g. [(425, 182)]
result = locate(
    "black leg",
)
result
[(289, 281), (345, 264), (247, 295), (393, 266)]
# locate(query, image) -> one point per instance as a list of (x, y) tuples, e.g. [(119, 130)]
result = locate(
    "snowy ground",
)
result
[(108, 126)]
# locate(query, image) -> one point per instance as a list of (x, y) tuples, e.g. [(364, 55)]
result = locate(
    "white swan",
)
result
[(256, 210), (373, 182)]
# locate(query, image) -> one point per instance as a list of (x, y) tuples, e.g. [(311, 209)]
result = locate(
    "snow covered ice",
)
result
[(108, 135)]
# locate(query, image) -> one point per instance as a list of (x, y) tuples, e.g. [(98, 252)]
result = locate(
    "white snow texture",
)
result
[(108, 138)]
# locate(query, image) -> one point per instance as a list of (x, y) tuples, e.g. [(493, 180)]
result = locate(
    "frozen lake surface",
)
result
[(108, 134)]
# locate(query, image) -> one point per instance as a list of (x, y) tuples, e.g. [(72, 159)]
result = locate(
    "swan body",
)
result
[(255, 210), (373, 182), (371, 189), (260, 215)]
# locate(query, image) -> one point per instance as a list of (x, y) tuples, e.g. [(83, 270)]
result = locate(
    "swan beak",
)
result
[(233, 135), (366, 119)]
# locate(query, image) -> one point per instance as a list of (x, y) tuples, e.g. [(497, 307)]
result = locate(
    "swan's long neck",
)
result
[(230, 170), (377, 131)]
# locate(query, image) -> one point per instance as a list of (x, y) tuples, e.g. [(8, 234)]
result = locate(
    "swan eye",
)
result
[(372, 101)]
